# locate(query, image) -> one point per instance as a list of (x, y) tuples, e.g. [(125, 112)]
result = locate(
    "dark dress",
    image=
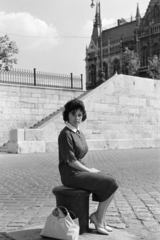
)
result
[(73, 147)]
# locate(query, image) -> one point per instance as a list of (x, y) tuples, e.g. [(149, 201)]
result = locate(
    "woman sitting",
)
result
[(74, 173)]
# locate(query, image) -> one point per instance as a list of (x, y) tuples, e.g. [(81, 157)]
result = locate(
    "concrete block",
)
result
[(103, 144), (49, 133), (110, 88), (37, 95), (3, 104), (9, 88), (12, 147), (124, 100), (49, 106), (150, 86), (26, 94), (100, 107), (33, 135), (27, 147), (23, 99), (16, 135), (144, 143), (140, 84), (25, 111), (157, 143), (33, 100), (13, 99), (51, 146), (43, 100), (92, 115), (7, 110)]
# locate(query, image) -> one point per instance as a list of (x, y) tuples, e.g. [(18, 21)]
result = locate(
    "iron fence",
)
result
[(36, 78)]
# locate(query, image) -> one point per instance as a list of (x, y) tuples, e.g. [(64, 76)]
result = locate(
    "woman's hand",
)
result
[(94, 170), (77, 165)]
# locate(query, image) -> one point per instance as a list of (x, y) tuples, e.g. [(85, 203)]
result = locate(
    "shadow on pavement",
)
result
[(34, 234)]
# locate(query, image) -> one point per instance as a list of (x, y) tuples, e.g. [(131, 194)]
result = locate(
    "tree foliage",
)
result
[(7, 50), (154, 67), (131, 61)]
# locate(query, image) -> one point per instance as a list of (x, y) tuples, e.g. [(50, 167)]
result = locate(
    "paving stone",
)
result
[(144, 216), (152, 226), (117, 225), (157, 217), (28, 183)]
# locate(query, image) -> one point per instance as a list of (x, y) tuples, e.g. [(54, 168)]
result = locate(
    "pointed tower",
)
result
[(138, 22), (96, 26), (138, 16)]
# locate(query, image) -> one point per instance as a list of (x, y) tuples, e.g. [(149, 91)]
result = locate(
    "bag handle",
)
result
[(56, 213)]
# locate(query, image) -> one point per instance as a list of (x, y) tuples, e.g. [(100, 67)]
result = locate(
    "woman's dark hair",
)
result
[(73, 106)]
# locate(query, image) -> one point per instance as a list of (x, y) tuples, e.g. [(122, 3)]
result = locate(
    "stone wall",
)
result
[(23, 106), (123, 113)]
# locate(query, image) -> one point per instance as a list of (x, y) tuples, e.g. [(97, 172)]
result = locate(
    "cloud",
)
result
[(107, 23), (28, 31)]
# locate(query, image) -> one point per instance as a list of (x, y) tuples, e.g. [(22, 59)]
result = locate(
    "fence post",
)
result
[(71, 80), (82, 81), (34, 74)]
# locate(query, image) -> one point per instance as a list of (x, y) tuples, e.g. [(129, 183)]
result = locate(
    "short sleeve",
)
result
[(66, 149)]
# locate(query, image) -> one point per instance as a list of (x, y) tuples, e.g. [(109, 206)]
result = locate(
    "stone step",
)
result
[(3, 149), (47, 118), (44, 120)]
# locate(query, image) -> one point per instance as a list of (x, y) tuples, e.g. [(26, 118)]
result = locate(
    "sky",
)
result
[(52, 35)]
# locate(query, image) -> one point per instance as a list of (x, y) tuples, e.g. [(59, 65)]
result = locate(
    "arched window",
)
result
[(92, 75), (144, 56), (105, 69), (156, 49), (156, 13), (116, 66)]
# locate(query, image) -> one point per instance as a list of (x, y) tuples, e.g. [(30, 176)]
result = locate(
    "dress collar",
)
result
[(71, 127)]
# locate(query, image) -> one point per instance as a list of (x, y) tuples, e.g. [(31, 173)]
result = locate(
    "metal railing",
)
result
[(36, 78)]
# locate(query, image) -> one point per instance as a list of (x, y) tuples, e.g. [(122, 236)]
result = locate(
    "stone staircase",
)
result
[(46, 119), (4, 148), (122, 113)]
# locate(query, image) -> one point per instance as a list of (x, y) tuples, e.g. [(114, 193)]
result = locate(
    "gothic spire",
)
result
[(96, 25), (138, 16)]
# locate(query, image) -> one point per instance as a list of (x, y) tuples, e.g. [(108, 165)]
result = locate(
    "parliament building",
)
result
[(141, 34)]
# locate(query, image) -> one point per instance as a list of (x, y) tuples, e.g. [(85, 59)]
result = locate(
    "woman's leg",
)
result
[(108, 203), (101, 210)]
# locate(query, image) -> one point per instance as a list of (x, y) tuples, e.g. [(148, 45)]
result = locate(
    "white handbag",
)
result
[(60, 225)]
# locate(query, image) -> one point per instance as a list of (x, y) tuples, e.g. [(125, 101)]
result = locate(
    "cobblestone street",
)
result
[(26, 183)]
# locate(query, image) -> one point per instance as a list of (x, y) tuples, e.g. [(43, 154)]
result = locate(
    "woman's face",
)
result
[(75, 117)]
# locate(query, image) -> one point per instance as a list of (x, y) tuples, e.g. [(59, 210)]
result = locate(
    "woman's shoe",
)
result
[(98, 228), (109, 229)]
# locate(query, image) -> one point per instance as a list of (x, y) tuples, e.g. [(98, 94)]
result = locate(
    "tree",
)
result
[(7, 50), (131, 61), (154, 67)]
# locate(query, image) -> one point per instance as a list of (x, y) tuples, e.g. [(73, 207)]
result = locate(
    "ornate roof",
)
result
[(120, 32), (148, 19)]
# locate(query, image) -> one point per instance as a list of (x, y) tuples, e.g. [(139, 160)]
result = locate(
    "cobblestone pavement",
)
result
[(26, 198)]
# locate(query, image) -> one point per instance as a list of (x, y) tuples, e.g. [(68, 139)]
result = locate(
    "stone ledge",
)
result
[(103, 144), (94, 144), (26, 147)]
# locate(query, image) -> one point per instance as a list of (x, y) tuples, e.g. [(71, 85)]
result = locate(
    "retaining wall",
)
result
[(122, 113), (23, 106)]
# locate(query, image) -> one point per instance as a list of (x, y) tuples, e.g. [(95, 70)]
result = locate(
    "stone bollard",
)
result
[(75, 200)]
